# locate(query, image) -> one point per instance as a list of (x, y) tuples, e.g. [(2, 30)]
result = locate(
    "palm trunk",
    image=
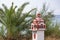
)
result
[(9, 34)]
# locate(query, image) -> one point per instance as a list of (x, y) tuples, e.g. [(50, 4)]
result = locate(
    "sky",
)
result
[(52, 4)]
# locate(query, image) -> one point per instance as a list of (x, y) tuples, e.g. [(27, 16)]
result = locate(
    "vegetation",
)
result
[(14, 22)]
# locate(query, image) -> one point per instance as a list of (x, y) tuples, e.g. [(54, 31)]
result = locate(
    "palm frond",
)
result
[(20, 9)]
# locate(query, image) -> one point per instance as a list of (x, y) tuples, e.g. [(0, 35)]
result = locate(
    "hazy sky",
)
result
[(52, 4)]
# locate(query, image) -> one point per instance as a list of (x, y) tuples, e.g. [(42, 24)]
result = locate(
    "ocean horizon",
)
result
[(56, 19)]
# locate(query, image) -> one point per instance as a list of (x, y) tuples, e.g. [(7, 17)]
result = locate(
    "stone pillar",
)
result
[(40, 35)]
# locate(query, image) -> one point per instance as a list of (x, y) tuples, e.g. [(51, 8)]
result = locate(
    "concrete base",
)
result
[(39, 35)]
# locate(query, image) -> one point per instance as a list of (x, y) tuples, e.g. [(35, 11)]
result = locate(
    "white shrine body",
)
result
[(37, 28)]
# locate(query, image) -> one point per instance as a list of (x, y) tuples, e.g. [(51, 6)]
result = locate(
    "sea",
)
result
[(56, 19)]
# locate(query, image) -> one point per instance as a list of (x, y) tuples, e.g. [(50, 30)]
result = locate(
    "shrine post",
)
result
[(38, 27)]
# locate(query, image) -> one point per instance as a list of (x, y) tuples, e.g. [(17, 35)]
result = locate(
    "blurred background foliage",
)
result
[(16, 24)]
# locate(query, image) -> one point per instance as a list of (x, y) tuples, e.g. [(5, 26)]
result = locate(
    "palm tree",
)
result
[(14, 21)]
